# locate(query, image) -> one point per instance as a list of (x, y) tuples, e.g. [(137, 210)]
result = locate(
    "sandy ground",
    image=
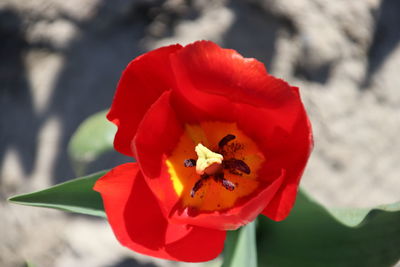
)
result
[(60, 62)]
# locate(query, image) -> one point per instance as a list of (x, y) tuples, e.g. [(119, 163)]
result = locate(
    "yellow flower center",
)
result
[(213, 166)]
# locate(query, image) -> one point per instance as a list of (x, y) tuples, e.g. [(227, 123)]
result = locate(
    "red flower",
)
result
[(217, 142)]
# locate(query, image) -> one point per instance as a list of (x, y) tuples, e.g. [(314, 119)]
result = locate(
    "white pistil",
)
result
[(208, 161)]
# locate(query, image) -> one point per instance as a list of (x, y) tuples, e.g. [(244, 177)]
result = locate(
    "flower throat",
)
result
[(212, 164)]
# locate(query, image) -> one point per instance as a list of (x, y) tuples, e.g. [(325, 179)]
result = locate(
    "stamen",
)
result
[(210, 163), (189, 162), (226, 140), (198, 184), (242, 166), (236, 164), (225, 183), (196, 187), (228, 185)]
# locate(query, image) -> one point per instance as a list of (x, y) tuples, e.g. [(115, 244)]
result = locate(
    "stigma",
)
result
[(208, 162)]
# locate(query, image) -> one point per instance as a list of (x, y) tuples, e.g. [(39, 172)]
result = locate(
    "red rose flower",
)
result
[(217, 140)]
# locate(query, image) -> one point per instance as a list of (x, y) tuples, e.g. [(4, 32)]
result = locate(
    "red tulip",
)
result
[(217, 140)]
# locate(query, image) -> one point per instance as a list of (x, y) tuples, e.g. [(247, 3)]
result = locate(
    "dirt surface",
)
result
[(60, 62)]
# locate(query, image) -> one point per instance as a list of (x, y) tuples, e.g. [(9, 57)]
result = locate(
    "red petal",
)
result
[(138, 223), (224, 72), (156, 137), (235, 217), (279, 208), (142, 82), (219, 85)]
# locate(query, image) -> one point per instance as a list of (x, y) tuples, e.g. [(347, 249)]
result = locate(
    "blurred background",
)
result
[(60, 62)]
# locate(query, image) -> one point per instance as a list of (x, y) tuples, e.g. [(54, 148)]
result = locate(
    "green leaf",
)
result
[(313, 236), (355, 216), (92, 138), (75, 195), (240, 247)]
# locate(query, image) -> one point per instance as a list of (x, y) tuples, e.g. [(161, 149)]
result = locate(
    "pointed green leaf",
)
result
[(312, 236), (92, 138), (240, 247), (75, 195)]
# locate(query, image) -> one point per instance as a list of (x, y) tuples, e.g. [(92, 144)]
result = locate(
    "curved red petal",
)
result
[(142, 82), (138, 223), (279, 208), (137, 226), (200, 244), (157, 135), (225, 72)]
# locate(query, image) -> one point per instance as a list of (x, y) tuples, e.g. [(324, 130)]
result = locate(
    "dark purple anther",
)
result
[(228, 184), (225, 183), (198, 184), (226, 140), (236, 164), (189, 163), (196, 187), (240, 165)]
